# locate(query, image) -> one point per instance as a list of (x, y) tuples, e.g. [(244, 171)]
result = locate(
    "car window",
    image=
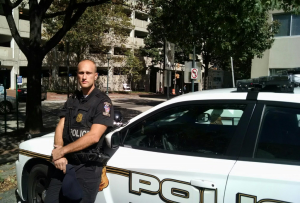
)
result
[(1, 89), (190, 128), (279, 136)]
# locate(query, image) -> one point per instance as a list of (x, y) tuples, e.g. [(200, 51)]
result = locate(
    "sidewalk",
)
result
[(130, 105)]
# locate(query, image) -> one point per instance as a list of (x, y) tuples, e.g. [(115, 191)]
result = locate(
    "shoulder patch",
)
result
[(106, 109)]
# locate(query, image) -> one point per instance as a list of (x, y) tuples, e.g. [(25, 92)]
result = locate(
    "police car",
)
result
[(214, 146)]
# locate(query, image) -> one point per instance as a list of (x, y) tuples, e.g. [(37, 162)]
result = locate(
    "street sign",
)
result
[(194, 73), (19, 80)]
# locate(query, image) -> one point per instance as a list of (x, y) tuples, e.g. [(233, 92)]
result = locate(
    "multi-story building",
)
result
[(285, 52), (13, 61), (10, 55)]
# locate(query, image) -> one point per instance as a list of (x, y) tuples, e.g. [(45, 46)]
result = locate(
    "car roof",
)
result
[(226, 94), (232, 94)]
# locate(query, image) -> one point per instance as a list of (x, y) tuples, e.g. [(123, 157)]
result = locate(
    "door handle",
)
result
[(203, 184)]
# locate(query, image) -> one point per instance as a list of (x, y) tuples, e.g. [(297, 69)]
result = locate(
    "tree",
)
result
[(132, 67), (99, 28), (218, 29), (36, 49)]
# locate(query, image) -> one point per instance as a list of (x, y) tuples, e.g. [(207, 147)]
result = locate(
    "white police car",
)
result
[(210, 147)]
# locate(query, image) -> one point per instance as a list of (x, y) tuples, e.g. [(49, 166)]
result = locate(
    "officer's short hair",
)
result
[(90, 61)]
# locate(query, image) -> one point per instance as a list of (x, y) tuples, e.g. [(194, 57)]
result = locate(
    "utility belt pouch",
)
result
[(100, 158)]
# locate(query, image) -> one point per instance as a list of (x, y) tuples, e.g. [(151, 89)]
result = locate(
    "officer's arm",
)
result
[(58, 138), (85, 141)]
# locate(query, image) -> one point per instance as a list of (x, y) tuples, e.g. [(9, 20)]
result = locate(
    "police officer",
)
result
[(83, 120)]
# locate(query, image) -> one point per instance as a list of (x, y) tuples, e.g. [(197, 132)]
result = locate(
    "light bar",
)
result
[(278, 83)]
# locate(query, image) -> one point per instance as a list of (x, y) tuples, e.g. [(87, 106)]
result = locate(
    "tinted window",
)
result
[(194, 128), (296, 25), (284, 20), (289, 24), (279, 135)]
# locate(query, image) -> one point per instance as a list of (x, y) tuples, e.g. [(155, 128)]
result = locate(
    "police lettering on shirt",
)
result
[(78, 132)]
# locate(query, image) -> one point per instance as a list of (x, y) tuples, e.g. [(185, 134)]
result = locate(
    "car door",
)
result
[(177, 154), (269, 167)]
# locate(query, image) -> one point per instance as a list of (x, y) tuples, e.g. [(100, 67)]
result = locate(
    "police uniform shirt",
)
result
[(102, 114)]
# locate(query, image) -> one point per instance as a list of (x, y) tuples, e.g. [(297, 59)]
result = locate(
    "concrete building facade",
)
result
[(14, 62), (285, 51)]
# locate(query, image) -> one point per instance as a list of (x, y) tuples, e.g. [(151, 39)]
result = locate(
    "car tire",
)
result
[(38, 183), (8, 107)]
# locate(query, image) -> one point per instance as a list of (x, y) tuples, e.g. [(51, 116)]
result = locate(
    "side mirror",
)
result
[(204, 117), (118, 118), (115, 140)]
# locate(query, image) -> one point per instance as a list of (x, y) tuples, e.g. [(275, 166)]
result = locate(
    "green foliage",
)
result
[(98, 29), (218, 29), (132, 66)]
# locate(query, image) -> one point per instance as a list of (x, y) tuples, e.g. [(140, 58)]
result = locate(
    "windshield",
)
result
[(24, 85)]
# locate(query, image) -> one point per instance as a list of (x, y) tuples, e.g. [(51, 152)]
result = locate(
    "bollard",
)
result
[(5, 124)]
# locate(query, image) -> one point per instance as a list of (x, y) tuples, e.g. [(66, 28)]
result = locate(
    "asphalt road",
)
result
[(129, 108)]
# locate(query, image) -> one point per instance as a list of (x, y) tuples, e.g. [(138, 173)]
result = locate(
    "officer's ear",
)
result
[(96, 75)]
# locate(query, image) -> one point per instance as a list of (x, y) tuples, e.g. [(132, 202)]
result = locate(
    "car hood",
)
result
[(42, 145)]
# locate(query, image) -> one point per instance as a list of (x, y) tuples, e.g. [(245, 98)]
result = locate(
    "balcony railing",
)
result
[(3, 22), (135, 41), (139, 41), (6, 53), (141, 23), (24, 26)]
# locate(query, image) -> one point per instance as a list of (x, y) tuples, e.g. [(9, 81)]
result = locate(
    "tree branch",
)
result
[(68, 24), (75, 6), (95, 3), (12, 26), (44, 6), (13, 5), (52, 15)]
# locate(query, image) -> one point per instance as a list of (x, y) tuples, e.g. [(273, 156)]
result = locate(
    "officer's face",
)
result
[(86, 74)]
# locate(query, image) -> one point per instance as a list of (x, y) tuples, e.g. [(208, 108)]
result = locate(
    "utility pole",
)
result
[(193, 66)]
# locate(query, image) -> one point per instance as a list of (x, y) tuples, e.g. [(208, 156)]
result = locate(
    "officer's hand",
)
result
[(57, 152), (61, 164)]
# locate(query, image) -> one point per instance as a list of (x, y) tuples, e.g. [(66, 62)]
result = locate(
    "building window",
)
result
[(289, 24), (278, 71)]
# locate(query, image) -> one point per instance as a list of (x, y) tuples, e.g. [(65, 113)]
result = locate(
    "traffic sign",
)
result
[(194, 73), (19, 80)]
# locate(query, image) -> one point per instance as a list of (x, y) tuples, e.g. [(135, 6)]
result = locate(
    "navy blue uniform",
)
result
[(80, 114)]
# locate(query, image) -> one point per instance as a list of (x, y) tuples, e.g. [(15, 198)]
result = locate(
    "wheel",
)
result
[(8, 107), (38, 183)]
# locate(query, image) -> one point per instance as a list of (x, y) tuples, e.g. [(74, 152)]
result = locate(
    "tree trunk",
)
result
[(34, 121), (206, 63)]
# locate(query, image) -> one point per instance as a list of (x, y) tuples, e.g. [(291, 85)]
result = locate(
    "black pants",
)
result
[(88, 176)]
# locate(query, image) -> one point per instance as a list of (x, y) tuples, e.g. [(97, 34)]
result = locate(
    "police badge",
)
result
[(106, 109), (79, 117)]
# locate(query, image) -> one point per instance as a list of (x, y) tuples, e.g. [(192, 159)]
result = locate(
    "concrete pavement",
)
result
[(129, 105), (117, 99)]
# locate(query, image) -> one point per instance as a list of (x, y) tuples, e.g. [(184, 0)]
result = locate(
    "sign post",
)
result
[(17, 99)]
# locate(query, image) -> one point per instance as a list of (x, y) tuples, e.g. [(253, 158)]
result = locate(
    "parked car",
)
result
[(22, 92), (212, 146), (11, 103), (1, 89)]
